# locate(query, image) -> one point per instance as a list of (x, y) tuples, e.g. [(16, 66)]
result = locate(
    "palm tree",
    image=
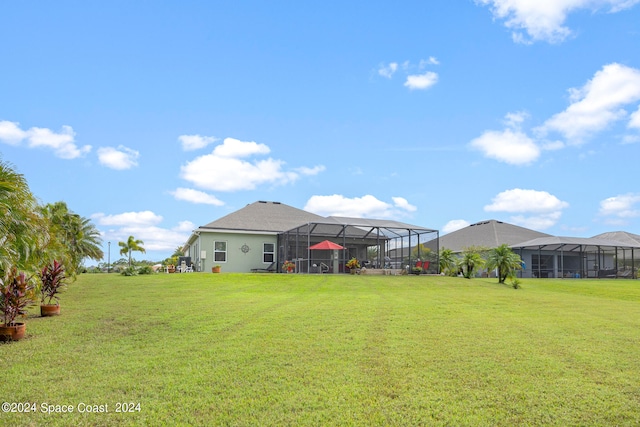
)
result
[(447, 262), (88, 242), (22, 229), (505, 260), (76, 238), (131, 245), (470, 262)]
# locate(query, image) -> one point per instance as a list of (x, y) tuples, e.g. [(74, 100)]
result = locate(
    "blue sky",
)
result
[(155, 117)]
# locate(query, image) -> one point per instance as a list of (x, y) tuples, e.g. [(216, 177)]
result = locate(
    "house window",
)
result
[(220, 251), (268, 253)]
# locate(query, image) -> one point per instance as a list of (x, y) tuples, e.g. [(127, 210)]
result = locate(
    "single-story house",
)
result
[(488, 234), (615, 254), (262, 235), (575, 257)]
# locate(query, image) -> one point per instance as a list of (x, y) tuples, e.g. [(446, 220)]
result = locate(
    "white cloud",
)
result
[(186, 226), (543, 20), (145, 226), (508, 146), (388, 70), (216, 173), (304, 170), (623, 206), (120, 158), (195, 142), (520, 200), (414, 80), (402, 203), (597, 104), (431, 61), (539, 209), (634, 120), (224, 170), (10, 133), (421, 81), (235, 148), (154, 238), (195, 196), (143, 218), (360, 207), (454, 225), (515, 120), (62, 143)]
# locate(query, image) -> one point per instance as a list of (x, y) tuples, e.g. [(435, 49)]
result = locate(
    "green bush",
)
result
[(129, 271), (146, 269)]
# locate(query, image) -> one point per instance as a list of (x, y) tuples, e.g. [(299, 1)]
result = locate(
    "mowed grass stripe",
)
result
[(269, 349)]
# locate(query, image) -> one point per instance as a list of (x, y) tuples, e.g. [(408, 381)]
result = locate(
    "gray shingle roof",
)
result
[(621, 236), (573, 243), (265, 217), (488, 234)]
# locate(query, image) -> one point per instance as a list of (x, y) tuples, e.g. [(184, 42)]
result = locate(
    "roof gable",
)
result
[(621, 236), (488, 234), (265, 217)]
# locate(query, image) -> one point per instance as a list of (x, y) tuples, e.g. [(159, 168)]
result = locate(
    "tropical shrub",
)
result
[(514, 281), (448, 262), (129, 271), (353, 263), (470, 262), (17, 294), (505, 261), (146, 269), (53, 281)]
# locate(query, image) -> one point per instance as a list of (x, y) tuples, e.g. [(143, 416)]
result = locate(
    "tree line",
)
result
[(32, 235)]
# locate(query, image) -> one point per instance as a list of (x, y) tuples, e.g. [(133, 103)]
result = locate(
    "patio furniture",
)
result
[(270, 269)]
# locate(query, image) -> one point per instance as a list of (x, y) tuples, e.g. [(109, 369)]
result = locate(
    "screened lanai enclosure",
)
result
[(376, 244), (574, 257)]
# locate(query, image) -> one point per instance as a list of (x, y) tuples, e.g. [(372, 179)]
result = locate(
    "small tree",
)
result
[(53, 281), (505, 261), (17, 293), (73, 237), (470, 262), (448, 262), (131, 245)]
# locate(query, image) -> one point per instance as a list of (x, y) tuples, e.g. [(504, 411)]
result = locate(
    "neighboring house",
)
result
[(264, 234), (580, 257), (614, 254), (487, 234)]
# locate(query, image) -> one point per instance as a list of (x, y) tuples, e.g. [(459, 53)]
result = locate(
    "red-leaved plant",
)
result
[(53, 281), (16, 295)]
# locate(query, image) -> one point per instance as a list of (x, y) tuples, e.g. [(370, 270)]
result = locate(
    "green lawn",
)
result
[(278, 349)]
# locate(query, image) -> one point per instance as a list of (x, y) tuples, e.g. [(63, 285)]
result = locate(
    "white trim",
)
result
[(273, 253), (225, 252), (224, 231)]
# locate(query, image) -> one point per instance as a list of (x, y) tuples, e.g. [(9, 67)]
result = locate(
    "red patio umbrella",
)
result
[(326, 245)]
